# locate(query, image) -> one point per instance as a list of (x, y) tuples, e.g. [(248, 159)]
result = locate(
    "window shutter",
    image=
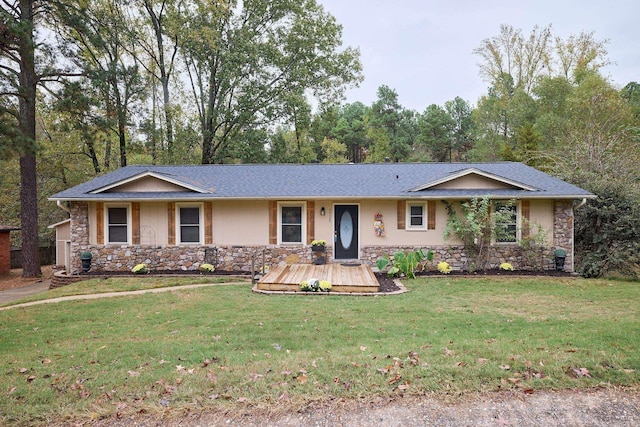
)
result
[(100, 223), (208, 223), (171, 220), (273, 222), (431, 215), (402, 215), (311, 218), (525, 207), (135, 223)]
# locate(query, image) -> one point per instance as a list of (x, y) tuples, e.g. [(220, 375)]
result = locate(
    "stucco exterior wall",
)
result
[(242, 222)]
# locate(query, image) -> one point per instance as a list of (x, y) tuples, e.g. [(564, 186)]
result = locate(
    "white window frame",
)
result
[(303, 221), (408, 225), (518, 235), (200, 207), (129, 224)]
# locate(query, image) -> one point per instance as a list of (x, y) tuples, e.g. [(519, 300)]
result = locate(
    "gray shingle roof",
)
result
[(335, 181)]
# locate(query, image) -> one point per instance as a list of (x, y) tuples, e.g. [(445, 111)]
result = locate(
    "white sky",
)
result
[(423, 48)]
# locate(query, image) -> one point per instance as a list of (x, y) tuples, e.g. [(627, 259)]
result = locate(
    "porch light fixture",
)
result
[(322, 211)]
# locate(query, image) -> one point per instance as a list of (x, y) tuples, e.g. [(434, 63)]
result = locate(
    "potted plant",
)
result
[(318, 245), (85, 257)]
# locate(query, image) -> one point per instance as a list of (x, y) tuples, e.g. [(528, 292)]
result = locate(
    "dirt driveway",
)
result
[(602, 407)]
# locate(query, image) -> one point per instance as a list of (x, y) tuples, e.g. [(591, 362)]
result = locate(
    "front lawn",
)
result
[(224, 347)]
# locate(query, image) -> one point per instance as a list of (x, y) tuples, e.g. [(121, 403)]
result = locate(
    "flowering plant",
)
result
[(319, 242), (140, 269), (324, 285), (264, 269), (444, 267), (315, 285), (506, 266), (207, 268)]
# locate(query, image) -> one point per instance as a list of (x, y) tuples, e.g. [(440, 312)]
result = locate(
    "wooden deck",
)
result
[(343, 278)]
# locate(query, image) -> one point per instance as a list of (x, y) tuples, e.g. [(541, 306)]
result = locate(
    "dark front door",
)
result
[(346, 231)]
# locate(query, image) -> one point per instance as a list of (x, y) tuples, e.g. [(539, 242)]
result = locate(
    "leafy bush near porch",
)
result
[(405, 263)]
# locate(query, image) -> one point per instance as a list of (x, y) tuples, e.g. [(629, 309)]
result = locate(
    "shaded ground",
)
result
[(14, 278)]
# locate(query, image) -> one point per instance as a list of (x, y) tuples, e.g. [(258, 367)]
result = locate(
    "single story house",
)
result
[(179, 217)]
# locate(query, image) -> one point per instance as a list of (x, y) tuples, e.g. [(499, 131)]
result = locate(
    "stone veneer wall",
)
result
[(457, 257), (225, 258)]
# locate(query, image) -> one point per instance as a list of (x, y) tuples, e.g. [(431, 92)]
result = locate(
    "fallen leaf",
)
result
[(482, 360), (461, 364), (284, 396), (31, 378), (302, 378), (448, 352), (133, 373), (363, 348), (12, 390), (505, 367), (580, 372), (23, 370), (180, 368), (214, 396), (46, 361), (211, 376), (395, 379)]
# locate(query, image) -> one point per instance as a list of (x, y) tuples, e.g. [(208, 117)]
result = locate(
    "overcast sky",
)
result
[(423, 48)]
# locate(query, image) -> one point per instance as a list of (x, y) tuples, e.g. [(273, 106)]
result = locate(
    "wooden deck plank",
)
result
[(343, 278)]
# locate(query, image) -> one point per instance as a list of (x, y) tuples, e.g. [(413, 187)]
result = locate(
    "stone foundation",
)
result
[(457, 257), (225, 258), (241, 258)]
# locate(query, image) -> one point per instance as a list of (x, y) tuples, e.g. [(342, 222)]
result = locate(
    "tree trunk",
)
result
[(28, 181)]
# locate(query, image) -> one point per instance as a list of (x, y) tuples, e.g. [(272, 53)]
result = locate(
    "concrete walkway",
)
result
[(20, 292), (25, 291)]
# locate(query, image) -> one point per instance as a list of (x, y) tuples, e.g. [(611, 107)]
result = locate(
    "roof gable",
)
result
[(147, 182), (473, 179)]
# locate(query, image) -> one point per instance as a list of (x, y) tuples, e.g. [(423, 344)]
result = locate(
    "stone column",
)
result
[(79, 233), (563, 230)]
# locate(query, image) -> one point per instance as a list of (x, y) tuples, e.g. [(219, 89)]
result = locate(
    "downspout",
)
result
[(61, 206), (581, 204)]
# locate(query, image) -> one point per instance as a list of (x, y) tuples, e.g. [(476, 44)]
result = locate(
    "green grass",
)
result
[(224, 347)]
